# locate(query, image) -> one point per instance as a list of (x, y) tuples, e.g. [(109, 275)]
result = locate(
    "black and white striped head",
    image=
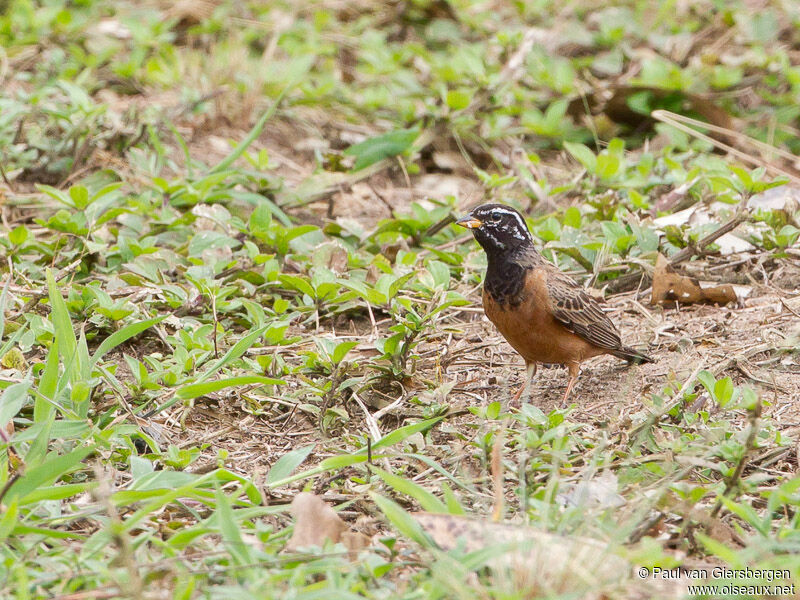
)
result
[(499, 229)]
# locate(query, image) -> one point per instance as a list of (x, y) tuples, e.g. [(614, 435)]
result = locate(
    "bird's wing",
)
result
[(579, 312)]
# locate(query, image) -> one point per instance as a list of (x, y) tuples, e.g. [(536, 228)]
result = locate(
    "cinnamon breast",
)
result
[(531, 329)]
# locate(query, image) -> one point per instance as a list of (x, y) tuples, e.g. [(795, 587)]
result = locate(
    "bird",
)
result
[(540, 311)]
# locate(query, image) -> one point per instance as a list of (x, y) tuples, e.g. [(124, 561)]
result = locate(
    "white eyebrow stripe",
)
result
[(517, 216)]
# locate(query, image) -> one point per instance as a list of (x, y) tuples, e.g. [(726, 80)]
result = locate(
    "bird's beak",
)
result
[(470, 222)]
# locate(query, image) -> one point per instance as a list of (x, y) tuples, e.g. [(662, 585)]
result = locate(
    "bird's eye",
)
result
[(495, 218)]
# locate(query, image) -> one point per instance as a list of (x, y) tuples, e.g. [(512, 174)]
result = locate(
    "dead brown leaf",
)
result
[(316, 522), (669, 286)]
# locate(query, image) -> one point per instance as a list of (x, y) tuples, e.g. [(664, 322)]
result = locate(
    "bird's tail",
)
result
[(632, 356)]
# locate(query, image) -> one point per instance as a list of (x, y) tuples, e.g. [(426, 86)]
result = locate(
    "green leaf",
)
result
[(235, 352), (458, 99), (572, 217), (17, 236), (123, 335), (59, 492), (341, 351), (287, 463), (59, 316), (607, 166), (426, 499), (195, 390), (48, 386), (12, 400), (260, 220), (46, 474), (708, 380), (382, 146), (718, 549), (231, 536), (298, 283), (9, 519), (37, 451), (453, 505), (786, 237), (162, 480), (345, 460), (723, 391), (398, 435), (583, 155), (80, 196), (3, 300), (254, 132), (402, 521)]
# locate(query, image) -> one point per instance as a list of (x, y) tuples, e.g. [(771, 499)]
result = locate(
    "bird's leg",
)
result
[(530, 371), (574, 371)]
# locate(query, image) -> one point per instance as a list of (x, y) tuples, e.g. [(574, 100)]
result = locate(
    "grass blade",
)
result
[(195, 390), (402, 521), (254, 132), (59, 315), (235, 352), (46, 474), (3, 299), (231, 535), (426, 499), (122, 336), (287, 463)]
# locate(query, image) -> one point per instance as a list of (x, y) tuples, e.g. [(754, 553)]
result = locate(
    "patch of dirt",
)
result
[(749, 343)]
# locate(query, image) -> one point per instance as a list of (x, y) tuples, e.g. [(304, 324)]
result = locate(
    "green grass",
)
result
[(143, 273)]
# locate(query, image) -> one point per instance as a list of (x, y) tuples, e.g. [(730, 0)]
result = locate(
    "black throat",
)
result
[(505, 279)]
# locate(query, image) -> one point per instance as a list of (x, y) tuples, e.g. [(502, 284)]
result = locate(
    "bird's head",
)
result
[(499, 229)]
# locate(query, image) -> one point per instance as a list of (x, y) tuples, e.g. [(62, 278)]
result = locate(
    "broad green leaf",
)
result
[(572, 217), (398, 435), (723, 391), (458, 99), (80, 196), (17, 236), (708, 381), (341, 351), (583, 155), (607, 166), (386, 145), (12, 400), (287, 463), (298, 283)]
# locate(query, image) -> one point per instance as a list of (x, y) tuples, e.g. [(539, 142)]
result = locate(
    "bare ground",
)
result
[(468, 363)]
